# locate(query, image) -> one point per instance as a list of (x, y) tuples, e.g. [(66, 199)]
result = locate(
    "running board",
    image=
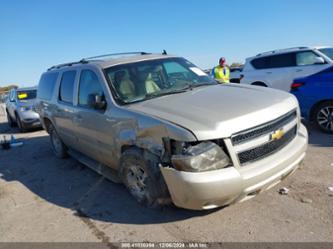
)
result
[(101, 169)]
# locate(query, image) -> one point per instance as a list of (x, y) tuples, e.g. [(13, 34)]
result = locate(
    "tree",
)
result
[(5, 89)]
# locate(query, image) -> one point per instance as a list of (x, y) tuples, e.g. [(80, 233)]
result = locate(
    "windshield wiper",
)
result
[(202, 84), (158, 94)]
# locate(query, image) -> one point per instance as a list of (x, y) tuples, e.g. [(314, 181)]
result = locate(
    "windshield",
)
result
[(154, 78), (25, 95), (328, 52)]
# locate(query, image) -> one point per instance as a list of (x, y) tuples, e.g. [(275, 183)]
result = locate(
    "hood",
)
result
[(218, 111)]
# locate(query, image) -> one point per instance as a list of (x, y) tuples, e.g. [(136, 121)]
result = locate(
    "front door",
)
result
[(306, 64), (92, 126)]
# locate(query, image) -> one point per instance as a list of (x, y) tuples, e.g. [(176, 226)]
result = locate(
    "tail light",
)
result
[(296, 85)]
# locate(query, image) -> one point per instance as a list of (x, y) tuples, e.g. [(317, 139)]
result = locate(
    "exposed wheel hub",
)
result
[(136, 177)]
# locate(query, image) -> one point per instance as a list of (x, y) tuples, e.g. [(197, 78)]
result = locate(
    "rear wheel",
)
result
[(324, 116), (59, 148), (140, 173)]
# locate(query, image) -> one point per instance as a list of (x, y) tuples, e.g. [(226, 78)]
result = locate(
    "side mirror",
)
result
[(319, 60), (96, 101)]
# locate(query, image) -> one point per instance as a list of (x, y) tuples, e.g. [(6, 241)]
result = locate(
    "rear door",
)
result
[(279, 71), (64, 110)]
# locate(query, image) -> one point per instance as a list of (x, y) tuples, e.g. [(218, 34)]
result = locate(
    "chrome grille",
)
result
[(267, 148), (258, 131)]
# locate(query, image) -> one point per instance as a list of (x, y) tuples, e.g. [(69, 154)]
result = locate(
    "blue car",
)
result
[(315, 97)]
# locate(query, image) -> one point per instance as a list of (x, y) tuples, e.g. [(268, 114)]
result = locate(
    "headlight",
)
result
[(201, 157), (25, 108)]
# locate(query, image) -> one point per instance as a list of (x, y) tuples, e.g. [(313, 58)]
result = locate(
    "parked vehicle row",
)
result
[(20, 108)]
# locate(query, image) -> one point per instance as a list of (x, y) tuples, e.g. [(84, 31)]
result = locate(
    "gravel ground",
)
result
[(45, 199)]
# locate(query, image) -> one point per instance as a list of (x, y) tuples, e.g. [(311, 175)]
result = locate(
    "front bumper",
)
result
[(211, 189), (30, 119)]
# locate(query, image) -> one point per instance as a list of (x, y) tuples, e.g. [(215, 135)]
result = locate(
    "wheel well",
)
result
[(47, 124), (259, 83), (315, 106), (126, 147)]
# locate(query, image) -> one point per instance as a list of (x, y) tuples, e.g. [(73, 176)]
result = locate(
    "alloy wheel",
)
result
[(325, 118)]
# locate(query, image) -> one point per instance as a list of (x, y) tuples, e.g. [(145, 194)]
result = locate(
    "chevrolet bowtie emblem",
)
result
[(276, 135)]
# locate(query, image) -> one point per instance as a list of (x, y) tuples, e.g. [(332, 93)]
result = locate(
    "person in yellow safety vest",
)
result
[(221, 72)]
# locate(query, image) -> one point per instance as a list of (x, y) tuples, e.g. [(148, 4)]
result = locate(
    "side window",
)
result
[(46, 85), (275, 61), (89, 84), (67, 87), (306, 58), (260, 63), (282, 60), (11, 95)]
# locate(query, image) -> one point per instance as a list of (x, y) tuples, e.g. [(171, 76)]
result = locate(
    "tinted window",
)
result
[(275, 61), (260, 63), (89, 84), (306, 58), (67, 87), (46, 85), (282, 60)]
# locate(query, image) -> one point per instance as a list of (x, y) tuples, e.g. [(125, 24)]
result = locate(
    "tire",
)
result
[(10, 121), (19, 124), (140, 173), (58, 147), (323, 117)]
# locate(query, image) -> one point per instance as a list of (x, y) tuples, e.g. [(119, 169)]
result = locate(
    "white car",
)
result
[(278, 68)]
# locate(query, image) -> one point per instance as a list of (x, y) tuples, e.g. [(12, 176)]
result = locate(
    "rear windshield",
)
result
[(26, 95)]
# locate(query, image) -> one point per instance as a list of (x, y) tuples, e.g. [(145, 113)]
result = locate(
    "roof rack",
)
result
[(86, 60), (69, 64), (281, 50), (114, 54)]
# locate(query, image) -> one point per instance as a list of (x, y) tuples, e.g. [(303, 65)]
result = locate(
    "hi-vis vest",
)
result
[(221, 74)]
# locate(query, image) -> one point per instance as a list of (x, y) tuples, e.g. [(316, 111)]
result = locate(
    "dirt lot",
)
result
[(47, 199)]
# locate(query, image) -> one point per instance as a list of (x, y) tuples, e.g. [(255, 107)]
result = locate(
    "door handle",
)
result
[(268, 72), (299, 70)]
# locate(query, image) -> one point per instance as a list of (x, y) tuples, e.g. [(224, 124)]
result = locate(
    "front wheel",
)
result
[(19, 124), (324, 117), (140, 173), (10, 121)]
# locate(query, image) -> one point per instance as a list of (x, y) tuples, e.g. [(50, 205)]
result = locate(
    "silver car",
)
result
[(168, 131), (19, 108)]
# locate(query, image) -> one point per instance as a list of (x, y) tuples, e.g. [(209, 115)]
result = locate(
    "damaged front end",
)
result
[(199, 175), (204, 156)]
